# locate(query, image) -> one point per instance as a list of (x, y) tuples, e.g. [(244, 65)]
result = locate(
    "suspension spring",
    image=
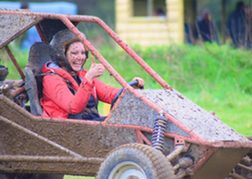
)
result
[(158, 132)]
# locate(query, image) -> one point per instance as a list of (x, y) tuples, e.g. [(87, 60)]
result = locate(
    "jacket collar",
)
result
[(52, 67)]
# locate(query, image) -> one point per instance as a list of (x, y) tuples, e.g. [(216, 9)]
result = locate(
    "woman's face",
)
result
[(76, 55)]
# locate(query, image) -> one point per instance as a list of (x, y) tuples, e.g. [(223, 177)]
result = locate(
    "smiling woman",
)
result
[(68, 81), (69, 90)]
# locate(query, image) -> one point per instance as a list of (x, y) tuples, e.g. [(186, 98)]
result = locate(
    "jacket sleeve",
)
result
[(105, 93), (56, 90)]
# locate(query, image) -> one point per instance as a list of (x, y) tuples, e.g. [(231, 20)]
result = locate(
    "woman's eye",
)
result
[(74, 53)]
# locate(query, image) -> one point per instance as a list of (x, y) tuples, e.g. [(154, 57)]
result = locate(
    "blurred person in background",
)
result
[(205, 28), (24, 5), (160, 13), (238, 26)]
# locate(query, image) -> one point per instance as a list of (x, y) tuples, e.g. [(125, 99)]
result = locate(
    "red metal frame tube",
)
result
[(41, 34), (15, 62), (142, 138), (17, 91)]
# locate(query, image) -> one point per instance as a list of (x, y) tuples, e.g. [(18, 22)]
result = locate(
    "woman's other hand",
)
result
[(95, 71), (140, 82)]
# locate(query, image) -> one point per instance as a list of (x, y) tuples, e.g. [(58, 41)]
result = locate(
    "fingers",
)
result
[(140, 81), (101, 70), (93, 60), (134, 79), (96, 70)]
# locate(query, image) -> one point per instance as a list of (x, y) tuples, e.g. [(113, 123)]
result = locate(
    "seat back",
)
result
[(38, 56)]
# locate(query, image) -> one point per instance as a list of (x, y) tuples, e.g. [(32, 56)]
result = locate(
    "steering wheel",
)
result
[(132, 83)]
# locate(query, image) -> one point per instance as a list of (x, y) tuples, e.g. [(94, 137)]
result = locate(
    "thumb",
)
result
[(93, 60)]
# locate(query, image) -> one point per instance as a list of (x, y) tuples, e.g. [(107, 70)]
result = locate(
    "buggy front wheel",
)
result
[(136, 161)]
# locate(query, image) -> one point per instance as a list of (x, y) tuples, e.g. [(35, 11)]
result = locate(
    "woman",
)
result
[(70, 91)]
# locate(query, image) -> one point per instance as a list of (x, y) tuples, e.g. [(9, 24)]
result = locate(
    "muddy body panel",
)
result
[(219, 164), (13, 26), (133, 110), (87, 140)]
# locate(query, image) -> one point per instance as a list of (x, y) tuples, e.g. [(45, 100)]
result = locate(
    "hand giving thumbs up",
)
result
[(95, 71)]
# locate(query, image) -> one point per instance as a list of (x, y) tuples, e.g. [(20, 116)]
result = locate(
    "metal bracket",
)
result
[(179, 141)]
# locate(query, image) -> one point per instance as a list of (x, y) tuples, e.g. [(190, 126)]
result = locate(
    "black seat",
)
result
[(38, 56)]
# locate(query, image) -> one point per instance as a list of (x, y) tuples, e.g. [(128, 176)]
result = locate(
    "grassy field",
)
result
[(218, 78)]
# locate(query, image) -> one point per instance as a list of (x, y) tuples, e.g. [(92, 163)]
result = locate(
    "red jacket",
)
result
[(58, 101)]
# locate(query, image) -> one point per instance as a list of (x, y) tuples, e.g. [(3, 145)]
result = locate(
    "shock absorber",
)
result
[(158, 132)]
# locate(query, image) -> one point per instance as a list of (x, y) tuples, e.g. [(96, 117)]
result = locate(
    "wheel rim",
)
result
[(127, 170)]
